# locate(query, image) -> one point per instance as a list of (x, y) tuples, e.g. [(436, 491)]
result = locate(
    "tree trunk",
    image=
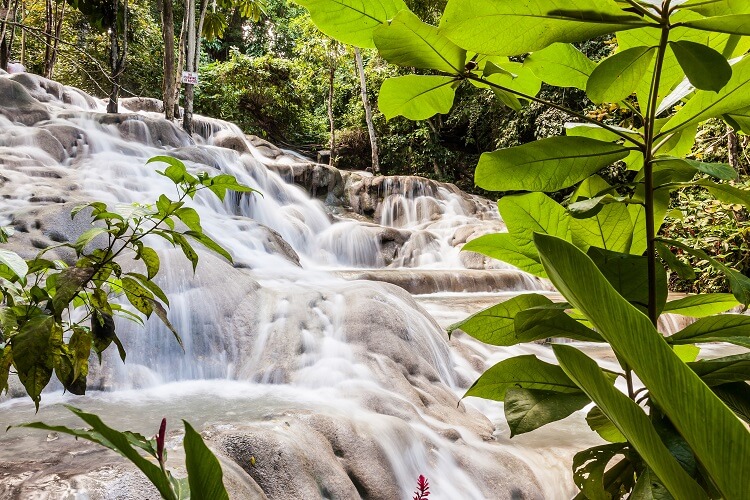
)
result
[(117, 54), (181, 60), (187, 119), (170, 82), (198, 33), (12, 36), (48, 28), (332, 142), (23, 34), (59, 15), (368, 112), (5, 44)]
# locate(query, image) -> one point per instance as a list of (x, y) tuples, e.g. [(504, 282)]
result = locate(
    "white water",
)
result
[(269, 339)]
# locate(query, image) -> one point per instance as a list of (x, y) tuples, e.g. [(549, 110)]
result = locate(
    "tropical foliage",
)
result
[(677, 64)]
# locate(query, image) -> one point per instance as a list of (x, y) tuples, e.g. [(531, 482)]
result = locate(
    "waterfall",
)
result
[(321, 353)]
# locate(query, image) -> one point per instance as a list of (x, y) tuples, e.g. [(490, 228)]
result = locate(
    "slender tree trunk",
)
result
[(117, 53), (332, 142), (23, 34), (59, 14), (181, 59), (199, 32), (187, 119), (5, 44), (12, 37), (368, 112), (48, 29), (170, 82)]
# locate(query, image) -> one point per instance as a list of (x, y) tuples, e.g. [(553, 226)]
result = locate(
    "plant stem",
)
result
[(648, 161), (557, 107)]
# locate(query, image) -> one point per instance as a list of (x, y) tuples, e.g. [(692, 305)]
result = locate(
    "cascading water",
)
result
[(336, 387)]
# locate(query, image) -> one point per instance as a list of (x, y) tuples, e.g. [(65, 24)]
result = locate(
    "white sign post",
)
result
[(190, 77)]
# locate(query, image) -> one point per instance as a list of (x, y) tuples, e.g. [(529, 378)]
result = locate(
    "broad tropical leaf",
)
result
[(500, 246), (531, 213), (704, 67), (352, 21), (204, 471), (545, 165), (616, 77), (700, 306), (530, 25), (561, 65), (524, 372), (530, 409), (495, 325), (733, 328), (416, 97), (407, 41)]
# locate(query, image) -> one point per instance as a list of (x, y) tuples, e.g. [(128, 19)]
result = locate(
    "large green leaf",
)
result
[(616, 77), (495, 325), (717, 7), (561, 65), (611, 228), (70, 283), (530, 409), (551, 321), (629, 418), (417, 97), (722, 171), (510, 27), (738, 24), (32, 354), (529, 213), (717, 437), (14, 262), (500, 246), (588, 470), (352, 21), (723, 370), (733, 328), (204, 470), (628, 274), (704, 67), (706, 104), (521, 372), (407, 41), (602, 425), (545, 165), (514, 76), (700, 306)]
